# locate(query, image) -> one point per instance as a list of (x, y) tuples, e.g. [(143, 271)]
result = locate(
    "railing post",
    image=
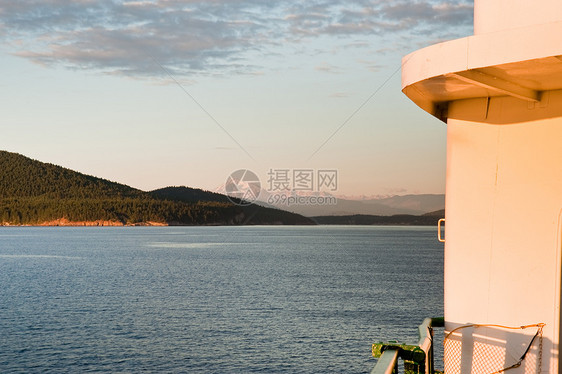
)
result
[(429, 358)]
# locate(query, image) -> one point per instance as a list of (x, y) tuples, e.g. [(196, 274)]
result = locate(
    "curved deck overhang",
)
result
[(522, 63)]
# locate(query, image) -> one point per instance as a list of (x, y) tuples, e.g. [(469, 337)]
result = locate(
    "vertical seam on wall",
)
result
[(492, 223), (558, 290)]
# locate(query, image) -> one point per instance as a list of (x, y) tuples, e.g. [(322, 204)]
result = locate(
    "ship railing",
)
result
[(416, 358)]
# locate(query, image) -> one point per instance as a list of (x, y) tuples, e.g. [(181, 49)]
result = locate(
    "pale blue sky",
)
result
[(85, 85)]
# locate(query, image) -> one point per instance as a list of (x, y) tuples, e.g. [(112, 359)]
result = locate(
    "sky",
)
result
[(181, 92)]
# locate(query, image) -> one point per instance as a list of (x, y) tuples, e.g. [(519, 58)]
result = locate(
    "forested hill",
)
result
[(428, 219), (22, 177), (189, 195), (37, 193)]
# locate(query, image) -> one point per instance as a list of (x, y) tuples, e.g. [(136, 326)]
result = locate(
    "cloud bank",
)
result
[(204, 37)]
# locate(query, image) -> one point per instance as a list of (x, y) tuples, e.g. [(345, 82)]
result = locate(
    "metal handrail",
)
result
[(387, 363), (419, 356)]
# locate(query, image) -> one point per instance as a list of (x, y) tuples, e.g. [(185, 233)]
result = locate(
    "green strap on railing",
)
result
[(407, 352)]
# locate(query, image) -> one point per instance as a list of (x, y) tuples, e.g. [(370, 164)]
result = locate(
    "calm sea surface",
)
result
[(212, 299)]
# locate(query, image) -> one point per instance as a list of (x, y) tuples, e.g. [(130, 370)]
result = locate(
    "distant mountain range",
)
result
[(37, 193), (383, 206)]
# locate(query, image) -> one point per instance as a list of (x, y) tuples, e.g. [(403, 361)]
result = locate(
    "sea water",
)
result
[(212, 299)]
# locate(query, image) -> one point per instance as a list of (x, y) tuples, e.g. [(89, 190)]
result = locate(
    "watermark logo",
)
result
[(242, 187), (285, 187)]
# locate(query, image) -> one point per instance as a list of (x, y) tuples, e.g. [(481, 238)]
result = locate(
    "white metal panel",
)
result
[(495, 15)]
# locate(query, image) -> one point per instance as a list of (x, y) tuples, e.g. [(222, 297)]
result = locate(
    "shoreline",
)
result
[(63, 222)]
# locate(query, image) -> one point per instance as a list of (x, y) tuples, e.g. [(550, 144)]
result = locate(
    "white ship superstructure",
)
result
[(500, 94)]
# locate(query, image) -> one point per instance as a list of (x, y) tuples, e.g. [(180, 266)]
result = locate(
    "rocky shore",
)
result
[(66, 222)]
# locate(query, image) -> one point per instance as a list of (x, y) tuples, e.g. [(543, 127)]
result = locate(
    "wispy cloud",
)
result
[(194, 37), (328, 68), (378, 16), (372, 66)]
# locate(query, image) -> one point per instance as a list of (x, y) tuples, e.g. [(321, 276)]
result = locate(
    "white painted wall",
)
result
[(503, 207), (496, 15)]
